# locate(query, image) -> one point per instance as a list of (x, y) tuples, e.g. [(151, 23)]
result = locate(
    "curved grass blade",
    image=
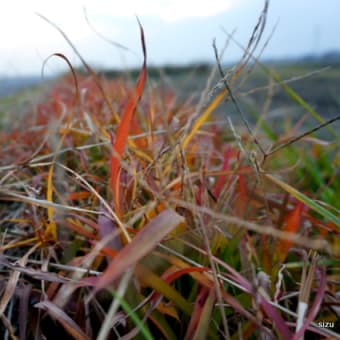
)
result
[(74, 76), (87, 67), (177, 274)]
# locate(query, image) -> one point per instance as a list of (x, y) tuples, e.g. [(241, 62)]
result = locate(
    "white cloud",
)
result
[(25, 36), (23, 27), (20, 26), (169, 10), (176, 31)]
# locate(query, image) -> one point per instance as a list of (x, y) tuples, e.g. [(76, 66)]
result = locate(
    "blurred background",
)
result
[(178, 33)]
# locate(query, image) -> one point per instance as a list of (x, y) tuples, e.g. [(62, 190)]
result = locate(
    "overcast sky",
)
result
[(177, 31)]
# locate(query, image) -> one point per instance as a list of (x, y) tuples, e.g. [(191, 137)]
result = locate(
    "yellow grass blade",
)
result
[(154, 281), (205, 115), (51, 229)]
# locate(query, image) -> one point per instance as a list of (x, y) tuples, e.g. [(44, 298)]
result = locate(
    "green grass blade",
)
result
[(306, 200), (138, 322), (295, 96)]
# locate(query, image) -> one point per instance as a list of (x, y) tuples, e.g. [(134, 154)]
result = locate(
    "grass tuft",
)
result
[(127, 213)]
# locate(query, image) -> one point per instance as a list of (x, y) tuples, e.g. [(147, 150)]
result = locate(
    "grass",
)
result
[(126, 213), (13, 106)]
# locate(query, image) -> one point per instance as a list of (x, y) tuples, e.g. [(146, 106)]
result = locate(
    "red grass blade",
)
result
[(203, 325), (146, 240), (279, 322), (172, 276), (197, 312), (292, 223), (124, 127), (79, 195)]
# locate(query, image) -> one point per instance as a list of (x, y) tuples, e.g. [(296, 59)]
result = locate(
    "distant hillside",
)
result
[(330, 58), (9, 86)]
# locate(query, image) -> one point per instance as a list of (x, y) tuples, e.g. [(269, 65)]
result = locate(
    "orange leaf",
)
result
[(74, 196), (124, 127), (242, 202), (291, 225)]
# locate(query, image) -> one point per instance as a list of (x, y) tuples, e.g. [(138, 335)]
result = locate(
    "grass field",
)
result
[(153, 209), (316, 83)]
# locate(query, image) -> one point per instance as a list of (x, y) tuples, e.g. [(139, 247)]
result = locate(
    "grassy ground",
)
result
[(133, 210), (13, 107)]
